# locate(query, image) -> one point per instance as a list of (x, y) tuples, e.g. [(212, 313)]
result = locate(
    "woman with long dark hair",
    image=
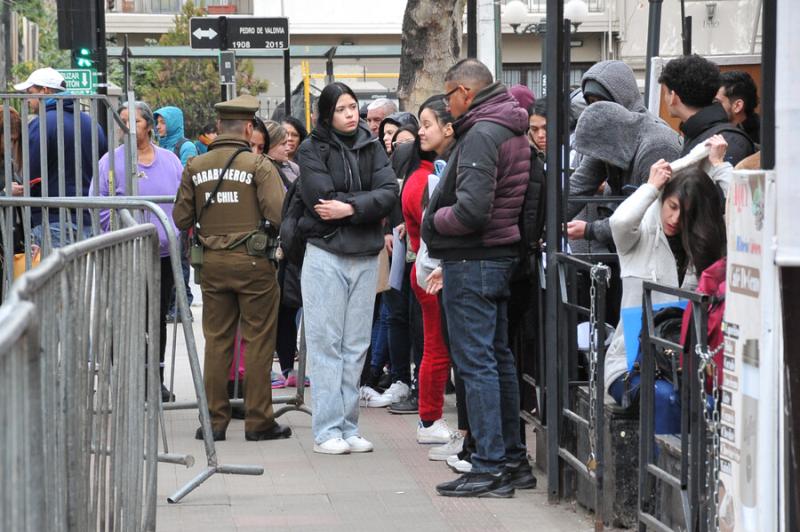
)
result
[(347, 187), (670, 229), (436, 136)]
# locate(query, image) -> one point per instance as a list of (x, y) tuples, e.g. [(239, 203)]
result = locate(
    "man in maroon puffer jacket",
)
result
[(471, 225)]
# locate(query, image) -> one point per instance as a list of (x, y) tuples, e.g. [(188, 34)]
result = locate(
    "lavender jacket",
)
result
[(160, 178), (474, 212)]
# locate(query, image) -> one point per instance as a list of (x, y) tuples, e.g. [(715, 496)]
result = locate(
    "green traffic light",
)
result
[(84, 58)]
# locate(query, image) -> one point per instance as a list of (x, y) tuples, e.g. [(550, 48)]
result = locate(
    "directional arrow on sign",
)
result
[(208, 33)]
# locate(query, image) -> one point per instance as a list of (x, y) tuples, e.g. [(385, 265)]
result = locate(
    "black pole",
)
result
[(554, 40), (653, 42), (687, 36), (223, 45), (472, 28), (287, 82), (101, 61), (126, 65), (329, 55), (769, 50)]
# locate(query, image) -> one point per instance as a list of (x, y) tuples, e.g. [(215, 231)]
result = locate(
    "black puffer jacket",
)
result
[(359, 175)]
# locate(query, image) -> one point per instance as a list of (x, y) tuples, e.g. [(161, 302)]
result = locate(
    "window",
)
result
[(531, 75)]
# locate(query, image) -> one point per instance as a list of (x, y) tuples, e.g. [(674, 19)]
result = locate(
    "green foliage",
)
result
[(44, 15), (189, 84)]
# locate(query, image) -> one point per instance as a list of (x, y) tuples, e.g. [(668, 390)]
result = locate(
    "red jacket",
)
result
[(413, 192), (712, 283)]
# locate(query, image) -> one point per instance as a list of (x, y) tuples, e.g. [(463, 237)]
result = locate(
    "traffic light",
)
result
[(83, 58)]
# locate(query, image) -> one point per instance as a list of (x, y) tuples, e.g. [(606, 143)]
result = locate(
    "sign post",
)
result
[(238, 33)]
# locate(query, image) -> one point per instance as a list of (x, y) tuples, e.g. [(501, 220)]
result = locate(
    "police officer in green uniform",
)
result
[(232, 198)]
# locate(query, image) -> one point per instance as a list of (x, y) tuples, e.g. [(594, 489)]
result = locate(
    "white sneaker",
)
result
[(454, 446), (359, 445), (397, 392), (458, 465), (370, 398), (439, 432), (332, 446)]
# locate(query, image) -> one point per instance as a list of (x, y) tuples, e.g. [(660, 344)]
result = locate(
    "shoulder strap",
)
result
[(219, 183), (177, 149)]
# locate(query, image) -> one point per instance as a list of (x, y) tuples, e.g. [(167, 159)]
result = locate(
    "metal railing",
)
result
[(540, 6), (695, 476), (562, 444), (78, 382)]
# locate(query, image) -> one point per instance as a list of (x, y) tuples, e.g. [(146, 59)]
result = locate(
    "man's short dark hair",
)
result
[(739, 85), (470, 71), (695, 79)]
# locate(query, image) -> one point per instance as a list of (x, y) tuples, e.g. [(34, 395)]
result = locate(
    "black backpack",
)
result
[(178, 145)]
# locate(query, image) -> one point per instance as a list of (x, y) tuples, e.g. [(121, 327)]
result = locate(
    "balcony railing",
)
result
[(540, 6), (232, 7)]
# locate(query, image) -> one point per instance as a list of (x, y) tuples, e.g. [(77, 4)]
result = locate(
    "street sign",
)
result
[(80, 81), (239, 33), (204, 32), (227, 67)]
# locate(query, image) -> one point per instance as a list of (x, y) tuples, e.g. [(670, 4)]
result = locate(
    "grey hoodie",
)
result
[(618, 79), (626, 140)]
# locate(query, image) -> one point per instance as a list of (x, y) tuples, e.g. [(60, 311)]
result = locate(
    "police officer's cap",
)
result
[(242, 108)]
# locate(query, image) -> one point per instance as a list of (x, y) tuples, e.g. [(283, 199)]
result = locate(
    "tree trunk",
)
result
[(431, 44)]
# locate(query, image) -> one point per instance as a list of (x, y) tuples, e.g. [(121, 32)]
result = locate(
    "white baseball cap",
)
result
[(43, 77)]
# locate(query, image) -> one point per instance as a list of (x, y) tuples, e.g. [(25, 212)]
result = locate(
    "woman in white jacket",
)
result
[(664, 232)]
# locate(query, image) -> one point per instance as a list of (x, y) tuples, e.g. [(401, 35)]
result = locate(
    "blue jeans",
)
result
[(338, 302), (380, 340), (475, 296), (58, 240)]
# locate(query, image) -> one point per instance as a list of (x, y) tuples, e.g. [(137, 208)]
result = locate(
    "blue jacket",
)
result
[(52, 177), (173, 117)]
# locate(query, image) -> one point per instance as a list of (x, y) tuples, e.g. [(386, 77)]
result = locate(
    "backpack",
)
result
[(292, 242), (667, 324), (178, 145)]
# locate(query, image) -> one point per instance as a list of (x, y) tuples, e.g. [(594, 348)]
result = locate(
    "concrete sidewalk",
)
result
[(391, 488)]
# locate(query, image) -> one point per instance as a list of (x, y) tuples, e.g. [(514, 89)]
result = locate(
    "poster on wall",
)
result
[(738, 489)]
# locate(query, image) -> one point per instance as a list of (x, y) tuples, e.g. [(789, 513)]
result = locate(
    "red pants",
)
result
[(435, 368)]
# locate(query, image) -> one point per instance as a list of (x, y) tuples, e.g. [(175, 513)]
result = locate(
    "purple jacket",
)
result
[(474, 212), (160, 178)]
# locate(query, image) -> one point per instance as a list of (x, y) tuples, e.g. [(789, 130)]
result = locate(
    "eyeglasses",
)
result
[(446, 97)]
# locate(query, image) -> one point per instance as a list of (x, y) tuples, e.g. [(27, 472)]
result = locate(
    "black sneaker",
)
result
[(520, 475), (385, 381), (406, 406), (494, 485), (217, 435), (276, 432)]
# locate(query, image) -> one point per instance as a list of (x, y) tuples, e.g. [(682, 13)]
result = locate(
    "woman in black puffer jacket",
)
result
[(347, 187)]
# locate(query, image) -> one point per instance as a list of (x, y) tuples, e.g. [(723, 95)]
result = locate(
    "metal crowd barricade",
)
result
[(695, 477), (79, 398), (562, 444), (132, 203)]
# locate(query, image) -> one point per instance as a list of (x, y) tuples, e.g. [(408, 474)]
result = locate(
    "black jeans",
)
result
[(286, 341), (405, 329), (167, 285)]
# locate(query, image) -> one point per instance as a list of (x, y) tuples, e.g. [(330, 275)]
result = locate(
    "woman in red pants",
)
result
[(436, 136)]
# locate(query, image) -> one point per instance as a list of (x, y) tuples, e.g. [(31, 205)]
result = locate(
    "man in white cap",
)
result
[(46, 81), (42, 81)]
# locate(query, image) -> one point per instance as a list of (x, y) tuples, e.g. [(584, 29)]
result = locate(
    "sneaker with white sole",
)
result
[(458, 465), (396, 393), (371, 398), (439, 432), (332, 446), (454, 446), (359, 445)]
